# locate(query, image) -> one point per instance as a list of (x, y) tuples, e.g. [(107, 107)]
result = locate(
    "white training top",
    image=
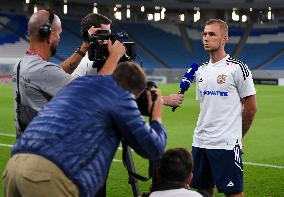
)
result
[(175, 193), (85, 68), (220, 87)]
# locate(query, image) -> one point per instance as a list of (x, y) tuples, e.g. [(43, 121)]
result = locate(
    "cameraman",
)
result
[(101, 22), (97, 22), (36, 80), (68, 148)]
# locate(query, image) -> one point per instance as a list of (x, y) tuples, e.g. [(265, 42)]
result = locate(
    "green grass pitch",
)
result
[(264, 143)]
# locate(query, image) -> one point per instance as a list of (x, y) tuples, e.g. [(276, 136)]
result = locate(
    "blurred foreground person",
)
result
[(68, 148), (174, 175)]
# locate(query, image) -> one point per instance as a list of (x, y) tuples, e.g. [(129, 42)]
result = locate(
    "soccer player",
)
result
[(225, 88)]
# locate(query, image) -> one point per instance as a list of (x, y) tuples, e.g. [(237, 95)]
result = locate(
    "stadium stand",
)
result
[(69, 39), (275, 63), (262, 46), (165, 46), (158, 45), (13, 31)]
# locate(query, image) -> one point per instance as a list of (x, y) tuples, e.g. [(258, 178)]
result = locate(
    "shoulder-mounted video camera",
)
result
[(98, 51)]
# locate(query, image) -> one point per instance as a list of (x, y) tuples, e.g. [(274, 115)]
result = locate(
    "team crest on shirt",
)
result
[(221, 79)]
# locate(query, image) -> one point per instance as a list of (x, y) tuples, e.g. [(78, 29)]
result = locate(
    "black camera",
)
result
[(142, 100), (98, 51)]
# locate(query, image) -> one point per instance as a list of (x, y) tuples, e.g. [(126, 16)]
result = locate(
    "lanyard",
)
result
[(35, 54)]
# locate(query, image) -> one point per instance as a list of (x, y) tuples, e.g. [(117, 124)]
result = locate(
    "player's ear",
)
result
[(189, 178), (49, 39), (225, 39)]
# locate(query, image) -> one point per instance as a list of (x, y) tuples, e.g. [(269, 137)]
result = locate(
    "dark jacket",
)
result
[(81, 128)]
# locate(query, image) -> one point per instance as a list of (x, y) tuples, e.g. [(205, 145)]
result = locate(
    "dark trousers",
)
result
[(102, 191)]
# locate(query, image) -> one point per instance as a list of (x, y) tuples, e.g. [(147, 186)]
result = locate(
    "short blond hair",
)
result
[(222, 24)]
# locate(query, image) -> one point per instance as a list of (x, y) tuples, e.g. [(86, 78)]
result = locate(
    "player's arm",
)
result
[(249, 110)]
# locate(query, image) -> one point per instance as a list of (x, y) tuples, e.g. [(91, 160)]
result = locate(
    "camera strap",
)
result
[(21, 124), (18, 96)]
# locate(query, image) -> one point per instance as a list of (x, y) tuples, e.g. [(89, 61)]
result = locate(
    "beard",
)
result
[(53, 49)]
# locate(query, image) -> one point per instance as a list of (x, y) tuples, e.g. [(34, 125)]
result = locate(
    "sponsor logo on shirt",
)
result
[(221, 79), (215, 93), (200, 80)]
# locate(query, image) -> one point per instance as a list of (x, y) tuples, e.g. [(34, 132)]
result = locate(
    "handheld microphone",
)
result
[(187, 79)]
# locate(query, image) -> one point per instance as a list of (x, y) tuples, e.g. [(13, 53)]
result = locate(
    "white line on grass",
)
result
[(261, 164), (10, 146), (120, 148), (7, 135), (246, 163), (6, 145), (116, 160)]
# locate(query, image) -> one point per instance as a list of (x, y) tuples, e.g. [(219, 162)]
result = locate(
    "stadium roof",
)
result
[(174, 8), (182, 4), (171, 4)]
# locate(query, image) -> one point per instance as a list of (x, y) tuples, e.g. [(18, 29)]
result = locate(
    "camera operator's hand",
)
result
[(85, 46), (71, 63), (116, 51), (93, 30), (158, 106)]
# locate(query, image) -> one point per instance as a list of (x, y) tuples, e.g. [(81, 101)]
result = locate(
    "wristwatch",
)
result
[(79, 52)]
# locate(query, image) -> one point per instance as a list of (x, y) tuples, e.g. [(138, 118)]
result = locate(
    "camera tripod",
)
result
[(127, 155), (133, 177), (129, 165)]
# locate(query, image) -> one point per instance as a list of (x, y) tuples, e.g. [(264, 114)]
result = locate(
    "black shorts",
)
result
[(223, 168)]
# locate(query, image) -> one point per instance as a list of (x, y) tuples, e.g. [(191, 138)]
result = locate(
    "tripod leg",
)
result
[(131, 167)]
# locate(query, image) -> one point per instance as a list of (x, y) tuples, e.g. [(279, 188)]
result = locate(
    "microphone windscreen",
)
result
[(188, 77)]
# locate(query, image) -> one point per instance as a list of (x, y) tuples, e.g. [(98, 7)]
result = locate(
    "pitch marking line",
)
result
[(7, 135), (6, 145), (263, 165), (119, 148)]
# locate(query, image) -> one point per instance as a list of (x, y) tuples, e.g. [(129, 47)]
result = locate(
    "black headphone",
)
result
[(45, 30)]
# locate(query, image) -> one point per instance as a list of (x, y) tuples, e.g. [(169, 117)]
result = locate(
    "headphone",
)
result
[(45, 30)]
